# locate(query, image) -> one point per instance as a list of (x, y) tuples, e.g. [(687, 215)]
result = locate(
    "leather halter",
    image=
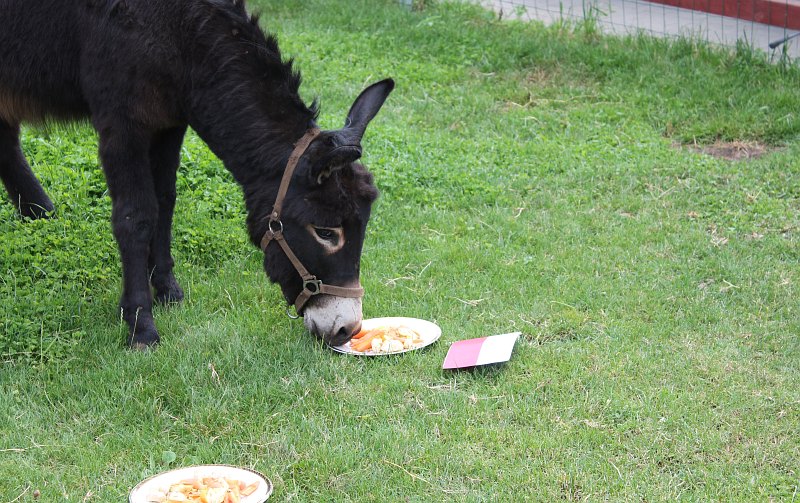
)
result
[(311, 285)]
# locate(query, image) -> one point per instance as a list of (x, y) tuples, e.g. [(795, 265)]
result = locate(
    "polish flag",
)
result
[(480, 351)]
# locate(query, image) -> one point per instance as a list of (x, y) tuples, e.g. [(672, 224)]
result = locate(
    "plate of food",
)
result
[(203, 484), (391, 336)]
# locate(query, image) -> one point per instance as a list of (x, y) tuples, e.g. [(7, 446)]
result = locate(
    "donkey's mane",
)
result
[(256, 53)]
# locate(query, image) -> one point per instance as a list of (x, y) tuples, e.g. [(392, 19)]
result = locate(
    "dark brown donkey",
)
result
[(143, 71)]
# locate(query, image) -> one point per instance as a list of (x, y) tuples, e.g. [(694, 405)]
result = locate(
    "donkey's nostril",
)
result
[(341, 336)]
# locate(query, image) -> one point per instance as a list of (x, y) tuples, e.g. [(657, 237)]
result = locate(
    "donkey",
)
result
[(142, 71)]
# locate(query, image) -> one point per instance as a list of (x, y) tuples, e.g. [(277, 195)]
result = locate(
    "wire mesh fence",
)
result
[(768, 25)]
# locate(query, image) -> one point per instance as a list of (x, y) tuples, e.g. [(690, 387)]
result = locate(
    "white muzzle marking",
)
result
[(326, 315)]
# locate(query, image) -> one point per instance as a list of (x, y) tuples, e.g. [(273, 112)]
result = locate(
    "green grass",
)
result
[(532, 179)]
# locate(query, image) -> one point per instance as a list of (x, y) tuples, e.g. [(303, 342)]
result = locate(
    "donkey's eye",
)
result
[(331, 238), (326, 234)]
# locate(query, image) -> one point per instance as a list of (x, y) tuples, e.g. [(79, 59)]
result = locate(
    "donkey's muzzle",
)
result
[(334, 319)]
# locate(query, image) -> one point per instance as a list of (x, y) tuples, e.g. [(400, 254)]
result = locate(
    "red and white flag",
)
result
[(480, 351)]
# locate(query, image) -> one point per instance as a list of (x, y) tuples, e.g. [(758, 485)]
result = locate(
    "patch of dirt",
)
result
[(734, 150), (540, 77)]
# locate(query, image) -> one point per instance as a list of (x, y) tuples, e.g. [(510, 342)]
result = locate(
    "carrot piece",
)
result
[(362, 345), (366, 341), (359, 335), (365, 333)]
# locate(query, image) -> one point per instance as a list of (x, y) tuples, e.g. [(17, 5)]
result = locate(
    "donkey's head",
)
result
[(322, 222)]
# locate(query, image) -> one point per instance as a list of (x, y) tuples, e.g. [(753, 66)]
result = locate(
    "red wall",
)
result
[(783, 13)]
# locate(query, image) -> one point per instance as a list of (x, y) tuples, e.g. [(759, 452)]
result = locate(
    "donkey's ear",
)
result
[(333, 161), (366, 106), (335, 149), (331, 151)]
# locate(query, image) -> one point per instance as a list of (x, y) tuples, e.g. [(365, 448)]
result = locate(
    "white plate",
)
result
[(162, 481), (429, 332)]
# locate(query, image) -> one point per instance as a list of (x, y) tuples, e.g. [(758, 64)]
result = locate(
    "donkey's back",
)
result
[(67, 59), (39, 63)]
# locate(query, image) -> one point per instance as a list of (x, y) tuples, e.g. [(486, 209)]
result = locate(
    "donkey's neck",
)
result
[(243, 99), (251, 142)]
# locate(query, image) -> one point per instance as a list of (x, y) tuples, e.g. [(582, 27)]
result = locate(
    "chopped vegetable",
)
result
[(205, 490), (386, 340), (361, 334)]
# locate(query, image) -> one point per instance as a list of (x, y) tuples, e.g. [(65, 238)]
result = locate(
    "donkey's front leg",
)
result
[(164, 160), (124, 152)]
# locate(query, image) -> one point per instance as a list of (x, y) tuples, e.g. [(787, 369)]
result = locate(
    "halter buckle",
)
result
[(313, 286)]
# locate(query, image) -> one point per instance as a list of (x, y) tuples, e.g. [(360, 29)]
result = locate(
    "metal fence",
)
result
[(767, 25)]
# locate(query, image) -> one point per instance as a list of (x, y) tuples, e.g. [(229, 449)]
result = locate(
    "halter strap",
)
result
[(299, 149), (311, 285)]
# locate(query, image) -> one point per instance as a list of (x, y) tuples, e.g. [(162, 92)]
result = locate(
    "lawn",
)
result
[(545, 180)]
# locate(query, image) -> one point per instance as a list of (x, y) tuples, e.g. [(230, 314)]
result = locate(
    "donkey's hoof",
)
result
[(143, 341), (36, 211), (171, 295), (141, 348)]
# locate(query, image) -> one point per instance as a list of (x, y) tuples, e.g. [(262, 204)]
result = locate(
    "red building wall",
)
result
[(783, 13)]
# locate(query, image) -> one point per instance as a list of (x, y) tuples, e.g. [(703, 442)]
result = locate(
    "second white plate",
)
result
[(162, 481)]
